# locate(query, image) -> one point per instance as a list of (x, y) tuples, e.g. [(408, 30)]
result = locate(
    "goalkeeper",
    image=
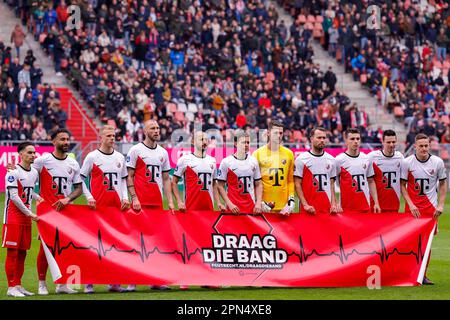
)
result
[(277, 172)]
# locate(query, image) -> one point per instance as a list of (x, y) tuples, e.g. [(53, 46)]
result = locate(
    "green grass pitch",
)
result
[(439, 271)]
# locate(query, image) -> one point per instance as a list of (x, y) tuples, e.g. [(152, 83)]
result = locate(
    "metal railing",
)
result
[(86, 123)]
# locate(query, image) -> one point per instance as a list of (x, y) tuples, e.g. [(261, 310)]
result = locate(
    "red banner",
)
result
[(10, 155), (213, 248)]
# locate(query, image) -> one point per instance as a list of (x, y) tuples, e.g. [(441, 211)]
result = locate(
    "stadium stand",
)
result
[(187, 63)]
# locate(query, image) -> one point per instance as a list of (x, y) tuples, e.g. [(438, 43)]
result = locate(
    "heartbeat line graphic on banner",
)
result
[(344, 256), (186, 255), (102, 252)]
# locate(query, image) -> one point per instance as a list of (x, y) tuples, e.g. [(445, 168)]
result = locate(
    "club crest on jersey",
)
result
[(431, 171), (253, 168), (70, 170), (283, 161), (161, 159), (11, 179), (119, 165), (211, 166), (328, 167), (364, 166), (128, 158)]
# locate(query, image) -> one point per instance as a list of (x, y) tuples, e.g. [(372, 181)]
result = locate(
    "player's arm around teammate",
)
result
[(16, 232)]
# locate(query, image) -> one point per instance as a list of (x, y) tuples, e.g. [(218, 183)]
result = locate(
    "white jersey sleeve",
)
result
[(257, 174), (124, 175), (181, 167), (166, 162), (404, 170), (132, 158), (298, 168), (86, 168), (222, 172), (38, 163), (441, 172)]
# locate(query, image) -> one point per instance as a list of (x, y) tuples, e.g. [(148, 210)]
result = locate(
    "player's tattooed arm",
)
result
[(61, 203), (135, 204)]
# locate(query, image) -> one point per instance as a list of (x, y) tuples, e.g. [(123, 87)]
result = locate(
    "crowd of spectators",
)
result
[(398, 53), (225, 64), (29, 109)]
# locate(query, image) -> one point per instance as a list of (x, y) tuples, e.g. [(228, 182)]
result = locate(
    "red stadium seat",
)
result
[(301, 18), (398, 112), (182, 107), (297, 136), (444, 153), (311, 19), (172, 107), (309, 26), (112, 122), (179, 116)]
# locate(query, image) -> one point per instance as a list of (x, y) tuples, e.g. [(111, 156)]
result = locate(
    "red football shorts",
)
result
[(16, 236)]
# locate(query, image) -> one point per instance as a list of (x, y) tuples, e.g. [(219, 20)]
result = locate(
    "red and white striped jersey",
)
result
[(198, 174), (316, 173), (353, 173), (423, 181), (387, 179), (240, 176), (149, 164), (107, 173), (24, 181), (57, 176)]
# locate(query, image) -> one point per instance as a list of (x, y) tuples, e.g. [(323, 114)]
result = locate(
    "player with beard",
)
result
[(16, 233), (148, 168), (315, 176), (387, 166), (60, 184), (422, 176), (240, 172), (356, 176), (107, 173), (198, 171)]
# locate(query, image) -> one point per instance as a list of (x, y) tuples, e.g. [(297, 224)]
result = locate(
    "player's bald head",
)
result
[(199, 135), (151, 129), (200, 140), (150, 124)]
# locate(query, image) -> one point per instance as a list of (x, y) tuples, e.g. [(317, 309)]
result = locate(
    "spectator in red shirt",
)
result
[(241, 120), (264, 101), (62, 14)]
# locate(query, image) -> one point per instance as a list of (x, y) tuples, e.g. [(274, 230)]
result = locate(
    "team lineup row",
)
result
[(266, 181)]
